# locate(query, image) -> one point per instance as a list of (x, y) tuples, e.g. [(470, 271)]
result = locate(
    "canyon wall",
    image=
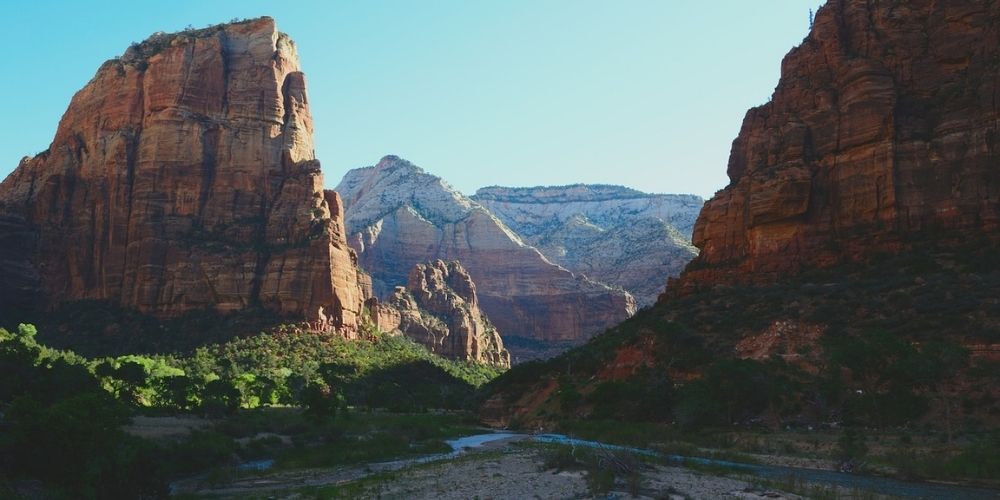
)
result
[(182, 177), (881, 135)]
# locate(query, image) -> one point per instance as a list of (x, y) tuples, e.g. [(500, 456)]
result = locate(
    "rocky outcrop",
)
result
[(182, 177), (439, 308), (881, 135), (399, 216), (612, 234)]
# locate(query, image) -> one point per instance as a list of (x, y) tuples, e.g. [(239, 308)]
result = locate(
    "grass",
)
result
[(603, 469), (977, 460), (352, 438), (296, 441), (663, 438), (797, 486)]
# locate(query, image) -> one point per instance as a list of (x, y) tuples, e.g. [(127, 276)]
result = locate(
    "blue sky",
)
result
[(645, 93)]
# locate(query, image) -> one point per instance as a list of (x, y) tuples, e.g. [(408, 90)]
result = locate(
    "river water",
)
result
[(875, 484)]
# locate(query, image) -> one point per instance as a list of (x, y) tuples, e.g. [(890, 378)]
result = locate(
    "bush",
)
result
[(851, 445), (220, 397)]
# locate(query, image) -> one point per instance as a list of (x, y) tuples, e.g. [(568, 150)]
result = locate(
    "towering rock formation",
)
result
[(881, 134), (439, 308), (612, 234), (398, 216), (182, 177), (881, 139)]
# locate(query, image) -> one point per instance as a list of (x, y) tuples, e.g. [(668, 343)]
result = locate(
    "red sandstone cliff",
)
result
[(882, 133), (439, 308), (183, 177)]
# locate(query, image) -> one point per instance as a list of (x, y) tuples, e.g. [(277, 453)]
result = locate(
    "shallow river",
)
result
[(881, 485)]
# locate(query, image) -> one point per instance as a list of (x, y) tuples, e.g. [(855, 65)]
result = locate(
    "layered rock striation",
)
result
[(881, 135), (439, 308), (182, 177), (612, 234), (399, 216)]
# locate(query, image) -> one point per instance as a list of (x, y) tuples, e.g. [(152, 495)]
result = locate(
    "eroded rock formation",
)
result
[(881, 135), (439, 308), (612, 234), (182, 177), (399, 216)]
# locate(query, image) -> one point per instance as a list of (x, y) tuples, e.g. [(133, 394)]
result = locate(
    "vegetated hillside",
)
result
[(901, 345), (60, 411), (182, 178), (848, 274), (612, 234), (398, 216)]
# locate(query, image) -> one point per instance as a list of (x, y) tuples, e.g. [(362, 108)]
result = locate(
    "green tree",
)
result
[(178, 392), (885, 374), (851, 444), (267, 390), (320, 401), (730, 391), (133, 377), (220, 397)]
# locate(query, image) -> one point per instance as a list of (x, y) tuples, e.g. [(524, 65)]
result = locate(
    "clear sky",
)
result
[(645, 93)]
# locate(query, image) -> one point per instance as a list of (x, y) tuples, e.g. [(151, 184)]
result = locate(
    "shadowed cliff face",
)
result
[(182, 177), (881, 133), (399, 216)]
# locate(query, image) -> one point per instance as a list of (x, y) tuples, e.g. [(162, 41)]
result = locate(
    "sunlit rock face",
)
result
[(399, 216), (612, 234), (439, 308), (182, 177), (880, 135)]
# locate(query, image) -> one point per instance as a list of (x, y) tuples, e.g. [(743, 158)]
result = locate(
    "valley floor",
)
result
[(279, 453), (499, 470)]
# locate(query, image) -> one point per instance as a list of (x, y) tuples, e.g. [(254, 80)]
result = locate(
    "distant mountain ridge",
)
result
[(567, 192), (397, 215), (680, 210), (614, 234)]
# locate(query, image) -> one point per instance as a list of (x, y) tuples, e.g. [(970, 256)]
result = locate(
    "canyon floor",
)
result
[(502, 469)]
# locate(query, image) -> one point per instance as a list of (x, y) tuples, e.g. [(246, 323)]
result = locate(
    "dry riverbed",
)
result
[(520, 473), (498, 470)]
